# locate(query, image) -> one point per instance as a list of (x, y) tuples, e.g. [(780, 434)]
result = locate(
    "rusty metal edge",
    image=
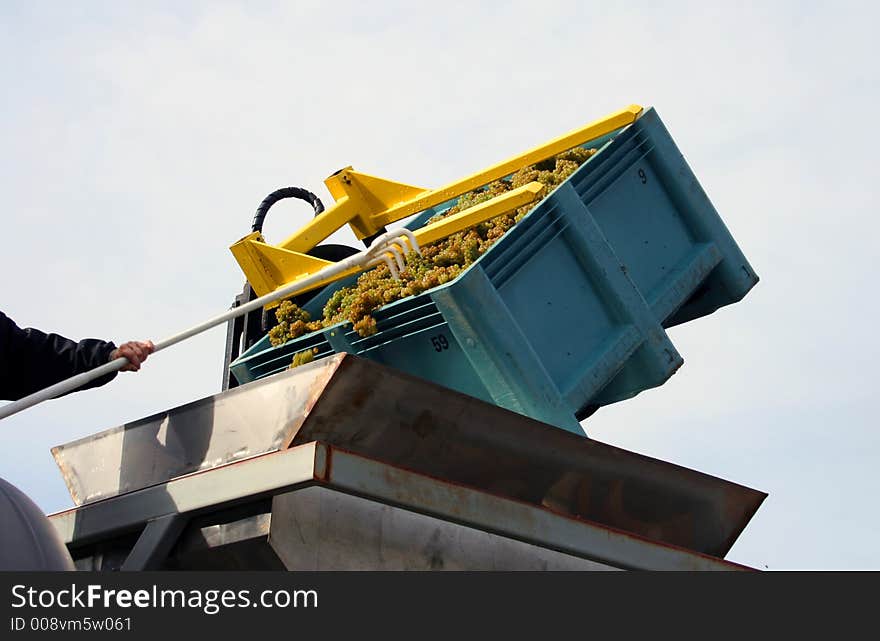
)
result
[(340, 455), (326, 466), (553, 438)]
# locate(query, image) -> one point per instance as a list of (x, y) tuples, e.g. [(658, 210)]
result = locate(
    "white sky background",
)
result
[(138, 138)]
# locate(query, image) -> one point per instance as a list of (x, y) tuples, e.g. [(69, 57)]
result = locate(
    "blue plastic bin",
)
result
[(662, 226), (566, 311)]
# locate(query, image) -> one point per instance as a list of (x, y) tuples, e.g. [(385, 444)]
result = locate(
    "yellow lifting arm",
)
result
[(281, 266), (368, 203)]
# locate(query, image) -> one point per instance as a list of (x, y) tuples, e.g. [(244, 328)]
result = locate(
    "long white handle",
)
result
[(379, 250)]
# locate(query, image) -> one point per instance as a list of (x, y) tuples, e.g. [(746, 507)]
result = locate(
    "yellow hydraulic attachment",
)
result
[(368, 203)]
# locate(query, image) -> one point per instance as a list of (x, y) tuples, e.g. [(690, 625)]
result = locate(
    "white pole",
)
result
[(381, 246)]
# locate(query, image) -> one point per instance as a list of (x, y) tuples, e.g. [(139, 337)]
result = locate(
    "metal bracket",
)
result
[(155, 542)]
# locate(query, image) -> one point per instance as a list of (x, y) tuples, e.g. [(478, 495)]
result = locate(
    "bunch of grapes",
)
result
[(293, 322), (301, 358), (439, 263)]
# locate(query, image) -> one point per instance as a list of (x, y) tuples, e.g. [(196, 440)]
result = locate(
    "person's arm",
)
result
[(31, 360)]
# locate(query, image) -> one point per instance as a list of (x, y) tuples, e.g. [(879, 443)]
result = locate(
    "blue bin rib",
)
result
[(567, 311), (662, 226)]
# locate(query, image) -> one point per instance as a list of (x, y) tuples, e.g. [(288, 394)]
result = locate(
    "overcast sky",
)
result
[(138, 138)]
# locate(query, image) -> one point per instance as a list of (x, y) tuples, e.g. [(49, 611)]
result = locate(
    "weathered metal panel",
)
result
[(405, 421), (317, 528), (386, 415), (511, 518), (231, 426), (211, 494), (193, 493)]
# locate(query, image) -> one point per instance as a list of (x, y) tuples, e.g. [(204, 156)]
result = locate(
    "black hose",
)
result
[(281, 194)]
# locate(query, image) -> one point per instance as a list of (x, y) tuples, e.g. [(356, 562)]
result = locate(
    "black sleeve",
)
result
[(31, 360)]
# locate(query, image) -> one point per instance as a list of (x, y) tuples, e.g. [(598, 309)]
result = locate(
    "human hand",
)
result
[(135, 351)]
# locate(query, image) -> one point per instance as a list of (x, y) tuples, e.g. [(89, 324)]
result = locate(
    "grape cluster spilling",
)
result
[(439, 263), (301, 358)]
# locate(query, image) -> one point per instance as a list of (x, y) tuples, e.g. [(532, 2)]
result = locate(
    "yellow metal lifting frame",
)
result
[(367, 204)]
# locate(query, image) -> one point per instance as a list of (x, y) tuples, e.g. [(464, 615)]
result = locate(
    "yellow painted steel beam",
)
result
[(322, 226), (477, 214), (565, 142), (368, 203), (358, 197), (268, 268)]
